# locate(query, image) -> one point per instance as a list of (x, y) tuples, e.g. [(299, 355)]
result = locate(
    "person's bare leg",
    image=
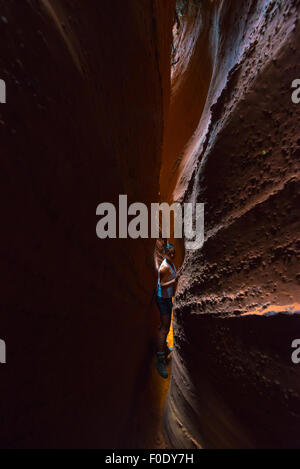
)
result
[(165, 322)]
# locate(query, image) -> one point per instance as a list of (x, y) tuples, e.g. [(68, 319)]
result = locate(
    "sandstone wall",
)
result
[(233, 381), (83, 123)]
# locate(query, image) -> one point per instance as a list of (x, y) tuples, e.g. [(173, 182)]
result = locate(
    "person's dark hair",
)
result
[(167, 247)]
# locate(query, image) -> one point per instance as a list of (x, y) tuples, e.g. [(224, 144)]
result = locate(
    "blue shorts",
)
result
[(164, 305)]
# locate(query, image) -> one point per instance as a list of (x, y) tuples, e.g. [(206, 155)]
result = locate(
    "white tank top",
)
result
[(166, 292)]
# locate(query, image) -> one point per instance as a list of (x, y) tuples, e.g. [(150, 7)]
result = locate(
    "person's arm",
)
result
[(164, 272)]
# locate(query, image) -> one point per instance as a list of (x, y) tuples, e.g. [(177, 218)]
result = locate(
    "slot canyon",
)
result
[(165, 101)]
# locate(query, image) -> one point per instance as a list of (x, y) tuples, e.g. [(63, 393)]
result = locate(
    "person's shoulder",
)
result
[(164, 266)]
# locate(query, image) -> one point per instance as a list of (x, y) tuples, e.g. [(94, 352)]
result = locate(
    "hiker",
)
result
[(165, 292)]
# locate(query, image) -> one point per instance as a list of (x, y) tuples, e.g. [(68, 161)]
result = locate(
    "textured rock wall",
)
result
[(87, 97), (233, 381), (83, 123)]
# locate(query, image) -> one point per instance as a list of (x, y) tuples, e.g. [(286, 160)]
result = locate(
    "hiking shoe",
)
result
[(161, 365)]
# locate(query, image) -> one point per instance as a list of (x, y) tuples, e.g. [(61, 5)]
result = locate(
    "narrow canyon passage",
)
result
[(165, 101), (232, 142)]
